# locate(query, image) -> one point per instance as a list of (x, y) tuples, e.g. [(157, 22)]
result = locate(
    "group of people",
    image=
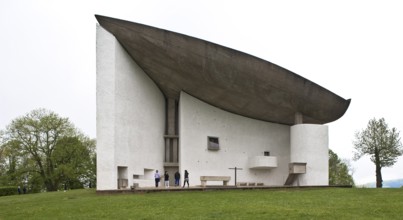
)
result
[(157, 177), (24, 190)]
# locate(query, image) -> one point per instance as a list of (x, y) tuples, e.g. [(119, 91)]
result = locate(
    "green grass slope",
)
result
[(323, 203)]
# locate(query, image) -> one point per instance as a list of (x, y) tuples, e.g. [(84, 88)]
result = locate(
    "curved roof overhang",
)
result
[(225, 78)]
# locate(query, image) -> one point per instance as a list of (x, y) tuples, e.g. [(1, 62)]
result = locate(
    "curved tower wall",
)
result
[(240, 139), (130, 118), (310, 145)]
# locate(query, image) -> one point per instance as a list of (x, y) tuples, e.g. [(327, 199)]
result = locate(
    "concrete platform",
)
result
[(209, 188)]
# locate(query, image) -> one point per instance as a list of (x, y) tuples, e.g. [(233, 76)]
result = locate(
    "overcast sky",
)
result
[(352, 48)]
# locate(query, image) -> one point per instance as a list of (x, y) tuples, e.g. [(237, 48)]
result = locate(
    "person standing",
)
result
[(166, 179), (186, 179), (157, 178), (177, 177), (19, 190)]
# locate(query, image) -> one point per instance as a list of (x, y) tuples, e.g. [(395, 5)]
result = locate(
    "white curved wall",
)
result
[(130, 116), (240, 138), (131, 125), (310, 144)]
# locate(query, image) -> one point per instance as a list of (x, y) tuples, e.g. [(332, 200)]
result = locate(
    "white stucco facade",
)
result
[(310, 145), (131, 132), (240, 140), (130, 118)]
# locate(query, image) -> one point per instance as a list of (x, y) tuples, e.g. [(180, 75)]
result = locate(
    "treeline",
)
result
[(339, 171), (43, 151)]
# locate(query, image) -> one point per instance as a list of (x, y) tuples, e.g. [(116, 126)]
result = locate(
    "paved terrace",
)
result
[(208, 188)]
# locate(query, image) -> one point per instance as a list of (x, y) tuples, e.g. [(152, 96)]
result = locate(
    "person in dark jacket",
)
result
[(166, 179), (186, 179), (177, 177)]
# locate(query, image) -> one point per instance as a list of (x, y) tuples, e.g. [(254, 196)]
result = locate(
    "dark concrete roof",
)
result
[(228, 79)]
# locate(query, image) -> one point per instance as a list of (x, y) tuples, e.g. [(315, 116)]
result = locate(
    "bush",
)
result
[(8, 190)]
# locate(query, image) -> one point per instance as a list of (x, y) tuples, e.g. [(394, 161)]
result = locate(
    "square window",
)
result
[(267, 153), (213, 143)]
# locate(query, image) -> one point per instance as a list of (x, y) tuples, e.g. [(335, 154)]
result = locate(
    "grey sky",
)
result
[(352, 48)]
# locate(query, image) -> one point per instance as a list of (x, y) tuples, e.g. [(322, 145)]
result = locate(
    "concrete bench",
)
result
[(204, 179), (242, 184), (135, 185)]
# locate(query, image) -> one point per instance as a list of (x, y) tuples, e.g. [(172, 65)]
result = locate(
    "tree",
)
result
[(47, 149), (339, 171), (380, 143), (74, 158)]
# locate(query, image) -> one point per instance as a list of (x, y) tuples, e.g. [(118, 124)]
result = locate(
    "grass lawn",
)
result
[(321, 203)]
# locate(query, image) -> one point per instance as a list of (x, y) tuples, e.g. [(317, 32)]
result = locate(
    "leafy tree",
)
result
[(45, 149), (11, 163), (380, 143), (74, 160), (338, 171)]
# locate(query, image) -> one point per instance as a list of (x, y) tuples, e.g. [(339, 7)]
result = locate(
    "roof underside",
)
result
[(228, 79)]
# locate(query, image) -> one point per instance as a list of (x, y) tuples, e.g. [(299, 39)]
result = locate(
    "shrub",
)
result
[(8, 190)]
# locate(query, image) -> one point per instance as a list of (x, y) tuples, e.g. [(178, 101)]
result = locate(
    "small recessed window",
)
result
[(267, 153), (213, 143)]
